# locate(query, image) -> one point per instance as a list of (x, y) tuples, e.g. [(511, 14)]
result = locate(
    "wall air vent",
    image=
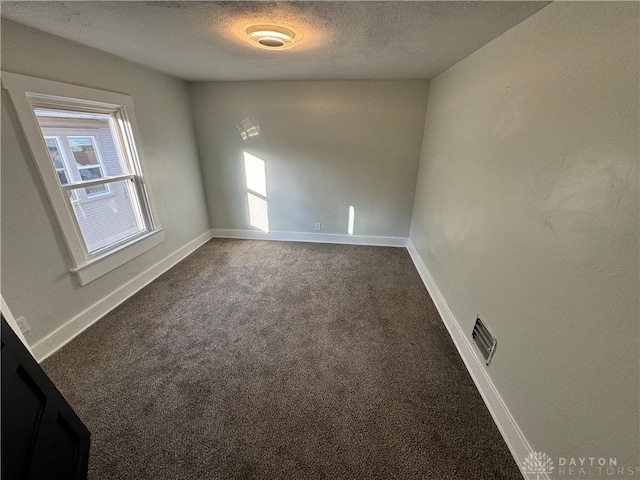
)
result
[(485, 342)]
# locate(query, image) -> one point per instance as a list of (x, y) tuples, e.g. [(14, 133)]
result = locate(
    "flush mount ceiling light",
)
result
[(270, 37)]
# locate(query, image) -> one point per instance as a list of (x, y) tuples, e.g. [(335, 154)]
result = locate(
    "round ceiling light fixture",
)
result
[(270, 37)]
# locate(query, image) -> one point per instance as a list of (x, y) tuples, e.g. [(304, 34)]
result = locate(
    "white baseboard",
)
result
[(67, 332), (11, 321), (513, 436), (310, 237)]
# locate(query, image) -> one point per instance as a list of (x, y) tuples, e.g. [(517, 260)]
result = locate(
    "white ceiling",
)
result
[(339, 40)]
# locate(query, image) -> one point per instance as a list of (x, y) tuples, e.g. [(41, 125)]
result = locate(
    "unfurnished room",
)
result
[(320, 240)]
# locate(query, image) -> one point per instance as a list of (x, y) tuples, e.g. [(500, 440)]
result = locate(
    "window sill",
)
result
[(98, 266)]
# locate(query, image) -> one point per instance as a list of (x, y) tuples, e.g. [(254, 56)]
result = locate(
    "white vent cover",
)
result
[(485, 342)]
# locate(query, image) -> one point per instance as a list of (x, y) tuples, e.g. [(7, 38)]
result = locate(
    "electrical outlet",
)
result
[(22, 323), (318, 226)]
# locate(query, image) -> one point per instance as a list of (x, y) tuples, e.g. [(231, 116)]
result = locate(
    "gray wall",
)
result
[(326, 146), (526, 205), (527, 211), (36, 282)]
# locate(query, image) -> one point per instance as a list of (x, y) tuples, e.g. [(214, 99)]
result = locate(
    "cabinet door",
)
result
[(42, 437)]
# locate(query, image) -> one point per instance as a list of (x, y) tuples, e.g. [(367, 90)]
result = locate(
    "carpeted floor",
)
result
[(273, 360)]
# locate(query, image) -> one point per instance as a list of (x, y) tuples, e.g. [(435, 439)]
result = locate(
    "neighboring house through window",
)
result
[(83, 143), (87, 159), (55, 152)]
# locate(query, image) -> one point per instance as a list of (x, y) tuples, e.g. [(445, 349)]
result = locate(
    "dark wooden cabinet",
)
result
[(42, 437)]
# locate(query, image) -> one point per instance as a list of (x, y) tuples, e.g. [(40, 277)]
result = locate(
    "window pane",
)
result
[(90, 173), (96, 190), (83, 151), (111, 219), (62, 177), (87, 140), (54, 153)]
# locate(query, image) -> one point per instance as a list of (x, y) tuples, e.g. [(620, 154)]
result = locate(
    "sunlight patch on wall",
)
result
[(352, 218), (256, 182), (255, 174), (258, 213), (249, 129)]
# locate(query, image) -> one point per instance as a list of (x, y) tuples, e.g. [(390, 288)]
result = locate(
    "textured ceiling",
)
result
[(339, 40)]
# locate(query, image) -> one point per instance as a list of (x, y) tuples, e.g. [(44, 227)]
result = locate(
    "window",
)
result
[(83, 144), (88, 163), (55, 152)]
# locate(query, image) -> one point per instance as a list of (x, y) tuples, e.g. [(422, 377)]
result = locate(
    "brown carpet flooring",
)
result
[(273, 360)]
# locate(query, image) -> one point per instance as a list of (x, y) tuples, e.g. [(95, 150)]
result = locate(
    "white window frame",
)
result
[(28, 93)]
